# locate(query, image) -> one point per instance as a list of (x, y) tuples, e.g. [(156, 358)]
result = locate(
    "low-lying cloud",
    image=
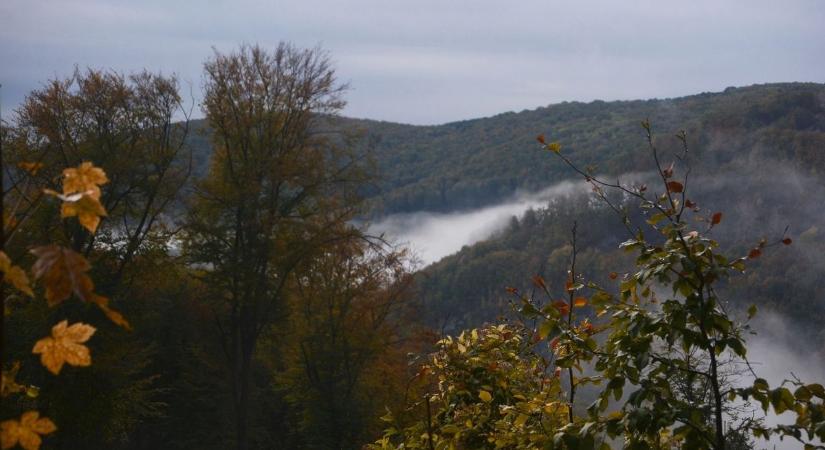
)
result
[(432, 236)]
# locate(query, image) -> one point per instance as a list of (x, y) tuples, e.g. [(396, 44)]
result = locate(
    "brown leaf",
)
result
[(14, 275), (562, 306), (613, 275), (31, 167), (539, 281), (65, 346), (25, 432), (63, 272), (754, 253), (787, 241), (540, 138), (675, 186), (717, 217)]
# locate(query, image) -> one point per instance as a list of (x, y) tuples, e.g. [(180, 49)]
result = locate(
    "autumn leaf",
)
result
[(675, 186), (14, 275), (31, 167), (717, 217), (87, 209), (539, 281), (554, 147), (65, 346), (63, 272), (562, 306), (540, 138), (580, 302), (85, 178), (25, 432), (754, 253), (485, 396), (787, 241), (613, 275)]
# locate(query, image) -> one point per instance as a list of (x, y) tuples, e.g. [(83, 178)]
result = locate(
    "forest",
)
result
[(171, 282)]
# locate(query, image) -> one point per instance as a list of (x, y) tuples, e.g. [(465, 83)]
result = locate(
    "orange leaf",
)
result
[(85, 178), (540, 138), (14, 275), (65, 346), (562, 306), (31, 167), (717, 217), (675, 186), (25, 432), (87, 209), (539, 281), (580, 302)]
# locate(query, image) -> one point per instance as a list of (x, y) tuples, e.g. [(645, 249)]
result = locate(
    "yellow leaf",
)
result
[(26, 432), (554, 147), (85, 178), (485, 396), (580, 302), (14, 275), (87, 209), (65, 346)]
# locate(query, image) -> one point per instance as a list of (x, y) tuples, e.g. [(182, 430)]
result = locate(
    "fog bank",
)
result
[(432, 236)]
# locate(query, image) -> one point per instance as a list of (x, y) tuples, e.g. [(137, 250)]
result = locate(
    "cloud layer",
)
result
[(431, 61)]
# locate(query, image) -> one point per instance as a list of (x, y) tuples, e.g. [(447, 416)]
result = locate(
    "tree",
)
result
[(281, 187), (668, 323), (135, 127), (488, 388), (344, 354)]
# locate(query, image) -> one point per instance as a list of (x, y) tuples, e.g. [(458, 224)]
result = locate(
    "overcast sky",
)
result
[(434, 61)]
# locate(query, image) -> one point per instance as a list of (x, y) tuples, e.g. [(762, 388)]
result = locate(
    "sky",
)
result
[(433, 61)]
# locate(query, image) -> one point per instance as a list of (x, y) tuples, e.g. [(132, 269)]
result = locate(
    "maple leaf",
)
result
[(87, 209), (63, 271), (85, 178), (65, 346), (25, 432), (14, 275)]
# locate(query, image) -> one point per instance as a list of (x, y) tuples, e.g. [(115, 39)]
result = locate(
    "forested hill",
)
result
[(477, 162)]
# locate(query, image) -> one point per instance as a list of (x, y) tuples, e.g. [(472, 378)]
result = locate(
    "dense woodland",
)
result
[(222, 294)]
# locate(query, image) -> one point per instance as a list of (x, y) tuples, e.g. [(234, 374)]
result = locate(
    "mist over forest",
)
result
[(367, 225)]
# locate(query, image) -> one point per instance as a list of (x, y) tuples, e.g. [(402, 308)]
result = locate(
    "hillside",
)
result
[(478, 162)]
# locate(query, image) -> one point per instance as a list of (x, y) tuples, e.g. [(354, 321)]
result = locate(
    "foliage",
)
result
[(665, 312), (65, 345), (486, 388)]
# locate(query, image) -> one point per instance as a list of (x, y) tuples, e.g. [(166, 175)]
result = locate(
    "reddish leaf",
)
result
[(580, 302), (613, 275), (539, 281), (562, 306), (787, 241), (540, 138), (717, 217), (754, 253), (675, 186)]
